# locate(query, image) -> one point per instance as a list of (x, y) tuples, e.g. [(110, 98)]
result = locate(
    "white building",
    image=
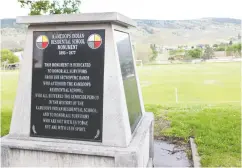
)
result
[(19, 55)]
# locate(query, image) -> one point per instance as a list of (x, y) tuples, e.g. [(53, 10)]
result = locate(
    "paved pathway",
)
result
[(170, 155)]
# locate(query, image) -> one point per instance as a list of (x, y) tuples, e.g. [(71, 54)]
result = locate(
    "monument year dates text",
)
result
[(67, 84)]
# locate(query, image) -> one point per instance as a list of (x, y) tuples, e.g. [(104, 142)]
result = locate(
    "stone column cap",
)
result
[(83, 18)]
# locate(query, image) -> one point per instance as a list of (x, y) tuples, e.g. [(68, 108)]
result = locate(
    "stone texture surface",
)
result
[(118, 148), (116, 127), (195, 155), (107, 17), (24, 158), (41, 151)]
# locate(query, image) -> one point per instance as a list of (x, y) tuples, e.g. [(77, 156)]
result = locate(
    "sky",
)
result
[(146, 9)]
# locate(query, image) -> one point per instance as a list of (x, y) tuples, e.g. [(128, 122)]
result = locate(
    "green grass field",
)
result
[(211, 83), (9, 82), (207, 106)]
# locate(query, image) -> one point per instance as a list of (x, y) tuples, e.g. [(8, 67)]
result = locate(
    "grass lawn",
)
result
[(208, 106), (9, 82), (209, 83), (216, 130)]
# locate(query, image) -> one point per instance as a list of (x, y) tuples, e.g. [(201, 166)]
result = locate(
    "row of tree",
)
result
[(149, 53), (236, 48), (196, 53), (207, 52)]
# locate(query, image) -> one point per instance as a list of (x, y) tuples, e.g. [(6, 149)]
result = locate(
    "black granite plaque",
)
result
[(129, 79), (67, 84)]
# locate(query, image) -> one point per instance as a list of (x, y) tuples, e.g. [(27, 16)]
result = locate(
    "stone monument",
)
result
[(78, 100)]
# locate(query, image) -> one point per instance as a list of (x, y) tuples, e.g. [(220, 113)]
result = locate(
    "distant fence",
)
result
[(14, 66), (197, 61), (225, 60)]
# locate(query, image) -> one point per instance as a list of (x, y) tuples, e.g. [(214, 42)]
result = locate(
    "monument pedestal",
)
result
[(32, 151), (79, 102)]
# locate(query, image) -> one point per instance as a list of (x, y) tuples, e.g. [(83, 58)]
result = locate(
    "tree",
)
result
[(234, 49), (195, 53), (215, 45), (154, 54), (229, 51), (230, 42), (220, 48), (176, 52), (208, 52), (7, 55), (42, 7), (237, 48), (171, 59)]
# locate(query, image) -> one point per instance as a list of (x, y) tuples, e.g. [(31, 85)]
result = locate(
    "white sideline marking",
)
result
[(200, 102), (211, 102)]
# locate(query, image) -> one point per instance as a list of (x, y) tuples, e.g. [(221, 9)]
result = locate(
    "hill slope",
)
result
[(161, 32), (190, 32)]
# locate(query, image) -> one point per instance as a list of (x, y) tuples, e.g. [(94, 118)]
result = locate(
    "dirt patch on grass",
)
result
[(180, 144), (174, 140), (160, 125)]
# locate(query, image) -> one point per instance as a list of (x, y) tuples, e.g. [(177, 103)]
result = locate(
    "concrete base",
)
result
[(44, 152)]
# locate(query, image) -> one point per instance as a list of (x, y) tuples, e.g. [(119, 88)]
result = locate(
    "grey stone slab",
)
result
[(27, 151), (195, 155), (119, 146), (164, 157), (116, 127), (84, 18)]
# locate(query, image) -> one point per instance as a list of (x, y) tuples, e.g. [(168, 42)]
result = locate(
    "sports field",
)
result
[(200, 100), (209, 83)]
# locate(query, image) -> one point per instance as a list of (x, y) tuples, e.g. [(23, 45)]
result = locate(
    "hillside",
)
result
[(161, 32), (190, 32)]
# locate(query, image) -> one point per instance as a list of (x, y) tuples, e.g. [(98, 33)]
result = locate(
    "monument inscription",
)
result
[(67, 84)]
